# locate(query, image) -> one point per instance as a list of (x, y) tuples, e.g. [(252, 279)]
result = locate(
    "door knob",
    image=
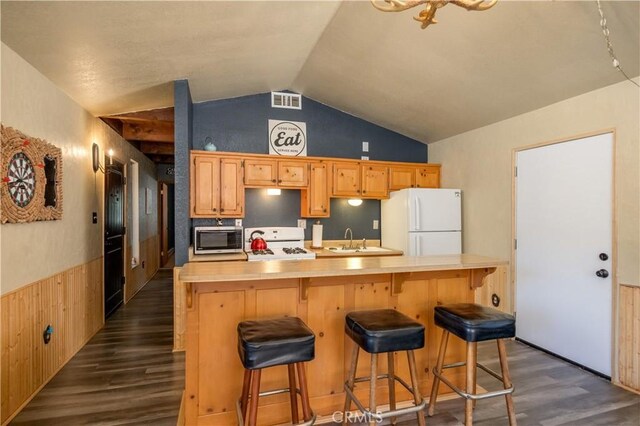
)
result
[(602, 273), (603, 256)]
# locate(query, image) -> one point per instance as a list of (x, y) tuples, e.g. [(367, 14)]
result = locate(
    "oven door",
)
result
[(211, 241)]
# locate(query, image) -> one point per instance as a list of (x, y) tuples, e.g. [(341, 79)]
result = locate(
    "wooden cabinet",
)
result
[(315, 201), (216, 187), (428, 177), (346, 180), (374, 182), (401, 177), (267, 173), (260, 172), (293, 173)]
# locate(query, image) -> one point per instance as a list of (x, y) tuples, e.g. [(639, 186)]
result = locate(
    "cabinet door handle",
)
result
[(273, 180)]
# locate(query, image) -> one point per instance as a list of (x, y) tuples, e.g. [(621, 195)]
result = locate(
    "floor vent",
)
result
[(286, 100)]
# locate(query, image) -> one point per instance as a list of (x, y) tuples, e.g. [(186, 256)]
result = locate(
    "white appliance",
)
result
[(421, 221), (283, 243)]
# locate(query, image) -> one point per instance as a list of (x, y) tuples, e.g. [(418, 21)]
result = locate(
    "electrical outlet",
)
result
[(365, 146), (238, 222), (364, 157), (376, 224), (302, 223)]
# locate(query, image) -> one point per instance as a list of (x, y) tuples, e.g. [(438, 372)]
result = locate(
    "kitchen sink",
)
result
[(357, 250)]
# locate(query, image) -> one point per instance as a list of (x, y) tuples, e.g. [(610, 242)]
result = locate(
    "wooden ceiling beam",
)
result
[(114, 123), (162, 159), (157, 148), (161, 114), (158, 131)]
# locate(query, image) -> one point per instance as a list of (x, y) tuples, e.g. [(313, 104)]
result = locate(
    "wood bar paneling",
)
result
[(149, 263), (217, 307), (71, 302), (629, 337), (497, 283)]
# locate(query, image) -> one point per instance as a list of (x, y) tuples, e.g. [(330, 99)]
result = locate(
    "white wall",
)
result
[(34, 105), (479, 162)]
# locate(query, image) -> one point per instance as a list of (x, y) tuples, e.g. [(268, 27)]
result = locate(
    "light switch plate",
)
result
[(302, 223), (364, 157), (365, 146), (238, 222), (376, 224)]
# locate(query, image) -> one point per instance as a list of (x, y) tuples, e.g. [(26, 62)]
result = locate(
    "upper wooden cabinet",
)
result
[(293, 173), (401, 177), (260, 172), (346, 180), (216, 187), (315, 201), (218, 180), (428, 177), (269, 173), (374, 181)]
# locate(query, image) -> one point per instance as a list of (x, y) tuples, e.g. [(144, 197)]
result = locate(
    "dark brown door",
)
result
[(163, 222), (114, 238)]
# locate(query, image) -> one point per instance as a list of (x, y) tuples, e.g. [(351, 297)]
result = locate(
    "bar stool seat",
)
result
[(473, 323), (280, 341), (383, 331), (268, 343)]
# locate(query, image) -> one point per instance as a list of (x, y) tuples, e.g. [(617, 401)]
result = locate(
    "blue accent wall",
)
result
[(241, 125), (183, 120)]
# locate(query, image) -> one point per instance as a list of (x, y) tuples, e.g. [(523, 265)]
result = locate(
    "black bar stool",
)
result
[(267, 343), (384, 331), (474, 323)]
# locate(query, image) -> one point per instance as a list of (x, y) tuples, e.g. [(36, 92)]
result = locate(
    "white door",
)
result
[(435, 210), (434, 243), (563, 224)]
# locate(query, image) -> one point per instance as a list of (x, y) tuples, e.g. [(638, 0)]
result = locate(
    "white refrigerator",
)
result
[(422, 221)]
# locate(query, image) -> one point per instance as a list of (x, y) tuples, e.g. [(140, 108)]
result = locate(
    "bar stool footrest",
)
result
[(392, 413), (467, 395), (271, 393)]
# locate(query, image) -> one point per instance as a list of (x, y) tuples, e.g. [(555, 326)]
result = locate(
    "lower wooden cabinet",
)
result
[(216, 188)]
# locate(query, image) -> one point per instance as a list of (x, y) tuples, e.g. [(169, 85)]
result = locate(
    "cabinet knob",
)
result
[(273, 180), (214, 209), (364, 192), (279, 180)]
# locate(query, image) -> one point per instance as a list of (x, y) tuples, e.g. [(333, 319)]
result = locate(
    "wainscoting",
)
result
[(629, 337), (496, 283), (137, 277), (71, 302)]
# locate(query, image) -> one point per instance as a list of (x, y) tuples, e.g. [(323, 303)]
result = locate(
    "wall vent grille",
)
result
[(286, 100)]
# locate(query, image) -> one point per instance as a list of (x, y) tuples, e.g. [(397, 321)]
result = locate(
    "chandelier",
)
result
[(427, 16)]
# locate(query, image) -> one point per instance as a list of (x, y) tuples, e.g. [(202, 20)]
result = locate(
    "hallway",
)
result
[(126, 374)]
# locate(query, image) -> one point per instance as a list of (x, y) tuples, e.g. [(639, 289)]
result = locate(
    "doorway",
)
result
[(114, 232), (564, 256), (166, 224)]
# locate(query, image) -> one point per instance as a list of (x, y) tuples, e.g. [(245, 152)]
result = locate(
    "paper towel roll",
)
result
[(316, 236)]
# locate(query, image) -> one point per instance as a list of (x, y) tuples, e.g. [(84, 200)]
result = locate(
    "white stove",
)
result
[(283, 243)]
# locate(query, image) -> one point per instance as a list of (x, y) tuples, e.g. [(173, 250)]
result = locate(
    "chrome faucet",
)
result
[(348, 231)]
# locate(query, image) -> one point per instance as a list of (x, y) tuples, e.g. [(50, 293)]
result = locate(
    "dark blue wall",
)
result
[(183, 116), (241, 125)]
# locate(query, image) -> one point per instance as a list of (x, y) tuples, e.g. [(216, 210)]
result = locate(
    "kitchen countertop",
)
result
[(195, 272)]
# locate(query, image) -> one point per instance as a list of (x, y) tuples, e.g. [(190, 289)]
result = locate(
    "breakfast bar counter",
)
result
[(320, 292)]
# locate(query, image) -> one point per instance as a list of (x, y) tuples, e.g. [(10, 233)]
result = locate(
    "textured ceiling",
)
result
[(470, 70)]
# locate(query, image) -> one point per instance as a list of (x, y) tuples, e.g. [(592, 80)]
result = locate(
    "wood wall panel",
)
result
[(497, 283), (137, 277), (179, 311), (71, 302), (629, 337)]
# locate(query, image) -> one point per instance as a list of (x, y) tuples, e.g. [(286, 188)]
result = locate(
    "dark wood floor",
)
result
[(127, 374)]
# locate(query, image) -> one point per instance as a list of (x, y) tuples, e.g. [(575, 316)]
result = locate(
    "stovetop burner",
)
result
[(262, 252), (293, 250)]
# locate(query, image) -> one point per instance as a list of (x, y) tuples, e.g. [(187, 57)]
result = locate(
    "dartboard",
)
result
[(22, 180)]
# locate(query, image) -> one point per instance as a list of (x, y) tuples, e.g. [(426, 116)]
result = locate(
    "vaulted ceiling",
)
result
[(469, 70)]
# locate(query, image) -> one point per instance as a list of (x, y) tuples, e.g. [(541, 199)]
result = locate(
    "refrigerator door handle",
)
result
[(417, 212)]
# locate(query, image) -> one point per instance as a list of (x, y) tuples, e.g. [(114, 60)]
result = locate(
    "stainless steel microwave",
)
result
[(217, 239)]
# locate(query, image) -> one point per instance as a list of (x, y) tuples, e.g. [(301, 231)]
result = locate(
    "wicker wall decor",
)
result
[(30, 178)]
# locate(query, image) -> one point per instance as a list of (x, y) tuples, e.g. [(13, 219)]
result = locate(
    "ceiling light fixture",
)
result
[(428, 15)]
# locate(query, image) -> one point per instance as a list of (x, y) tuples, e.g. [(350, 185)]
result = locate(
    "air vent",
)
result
[(286, 100)]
